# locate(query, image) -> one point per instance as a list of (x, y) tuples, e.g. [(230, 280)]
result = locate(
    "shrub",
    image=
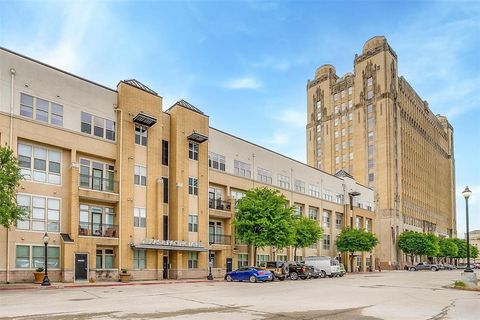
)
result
[(459, 284)]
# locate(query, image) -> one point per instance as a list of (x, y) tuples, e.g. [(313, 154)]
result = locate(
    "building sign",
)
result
[(172, 243)]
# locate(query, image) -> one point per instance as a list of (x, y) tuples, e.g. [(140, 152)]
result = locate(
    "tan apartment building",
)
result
[(118, 183), (372, 124)]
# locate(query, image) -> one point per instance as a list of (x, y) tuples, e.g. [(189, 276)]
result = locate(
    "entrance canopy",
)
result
[(169, 245)]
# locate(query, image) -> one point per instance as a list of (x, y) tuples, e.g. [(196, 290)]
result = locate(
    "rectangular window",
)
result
[(327, 195), (358, 222), (313, 213), (216, 161), (43, 213), (193, 151), (140, 175), (350, 104), (41, 112), (97, 175), (313, 246), (193, 260), (139, 258), (351, 155), (97, 221), (371, 177), (298, 209), (371, 163), (93, 125), (369, 94), (193, 186), (368, 225), (314, 191), (139, 217), (140, 135), (86, 123), (339, 221), (264, 176), (339, 198), (370, 136), (326, 219), (98, 127), (369, 81), (262, 260), (165, 189), (370, 151), (105, 258), (46, 164), (242, 169), (283, 181), (110, 130), (336, 122), (336, 134), (26, 105), (350, 90), (165, 152), (45, 111), (299, 186), (326, 242), (192, 223), (242, 259), (27, 257)]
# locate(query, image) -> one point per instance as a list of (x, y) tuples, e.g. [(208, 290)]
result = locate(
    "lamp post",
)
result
[(466, 194), (46, 281), (210, 263)]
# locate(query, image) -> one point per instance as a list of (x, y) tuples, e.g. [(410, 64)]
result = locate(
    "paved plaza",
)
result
[(386, 295)]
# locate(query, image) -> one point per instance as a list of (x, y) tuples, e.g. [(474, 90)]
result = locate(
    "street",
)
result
[(386, 295)]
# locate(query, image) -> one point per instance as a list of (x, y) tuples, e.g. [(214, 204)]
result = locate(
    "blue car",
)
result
[(251, 274)]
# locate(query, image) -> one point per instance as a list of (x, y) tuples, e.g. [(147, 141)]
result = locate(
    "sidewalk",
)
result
[(61, 285)]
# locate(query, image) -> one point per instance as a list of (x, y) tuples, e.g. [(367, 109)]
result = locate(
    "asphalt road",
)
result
[(386, 295)]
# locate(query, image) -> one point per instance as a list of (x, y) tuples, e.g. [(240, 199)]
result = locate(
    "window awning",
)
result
[(171, 248), (144, 119), (197, 137)]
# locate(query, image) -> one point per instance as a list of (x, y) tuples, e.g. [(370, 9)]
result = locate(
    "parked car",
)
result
[(461, 266), (424, 266), (342, 270), (324, 265), (299, 270), (278, 269), (476, 266), (252, 274), (447, 266)]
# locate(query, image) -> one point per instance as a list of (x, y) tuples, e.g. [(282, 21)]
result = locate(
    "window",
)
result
[(371, 163), (336, 134), (344, 145), (337, 160), (313, 246), (216, 161), (193, 186), (344, 118), (104, 259), (264, 176), (192, 223), (299, 186), (165, 189), (335, 97), (45, 111), (281, 257), (262, 260), (350, 130), (369, 81), (350, 90), (369, 108), (344, 93), (350, 117), (283, 181), (298, 258), (43, 213), (358, 222), (314, 191), (140, 135), (351, 155), (97, 221), (336, 122), (336, 146), (326, 219), (298, 209), (193, 260), (370, 136), (339, 221), (371, 177), (193, 151), (140, 177), (97, 126), (97, 175), (350, 104), (139, 217), (369, 94), (368, 225), (241, 169), (370, 151), (165, 152), (236, 195), (139, 256), (27, 257), (312, 213), (242, 259), (46, 164), (343, 132), (339, 198), (326, 242)]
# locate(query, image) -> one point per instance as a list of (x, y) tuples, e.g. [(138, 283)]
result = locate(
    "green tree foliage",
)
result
[(462, 248), (429, 245), (263, 218), (10, 178), (306, 232), (473, 252), (409, 242), (447, 248), (353, 240)]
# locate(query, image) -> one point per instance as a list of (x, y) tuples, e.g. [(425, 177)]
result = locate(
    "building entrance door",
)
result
[(165, 267), (81, 266), (229, 264)]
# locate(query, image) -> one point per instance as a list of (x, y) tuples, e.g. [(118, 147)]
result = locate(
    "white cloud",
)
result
[(279, 139), (273, 63), (293, 118), (244, 83), (473, 209)]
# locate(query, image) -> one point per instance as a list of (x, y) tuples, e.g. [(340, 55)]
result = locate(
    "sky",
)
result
[(246, 63)]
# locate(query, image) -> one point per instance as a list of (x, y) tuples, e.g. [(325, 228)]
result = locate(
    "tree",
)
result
[(263, 218), (428, 245), (10, 178), (462, 248), (409, 242), (447, 248), (306, 232), (353, 240), (473, 252)]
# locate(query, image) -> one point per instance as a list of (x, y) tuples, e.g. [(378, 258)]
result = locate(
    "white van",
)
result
[(324, 265)]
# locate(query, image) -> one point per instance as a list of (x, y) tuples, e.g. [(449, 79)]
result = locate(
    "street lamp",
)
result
[(210, 263), (466, 194), (46, 281)]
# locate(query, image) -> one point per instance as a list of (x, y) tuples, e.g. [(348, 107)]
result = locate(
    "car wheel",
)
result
[(413, 269), (304, 278), (229, 278), (294, 276), (323, 274), (330, 275), (281, 278), (273, 278), (253, 279), (342, 275), (434, 269)]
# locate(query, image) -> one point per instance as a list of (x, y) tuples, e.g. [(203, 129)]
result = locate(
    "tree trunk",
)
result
[(411, 256), (294, 253), (351, 262), (254, 255)]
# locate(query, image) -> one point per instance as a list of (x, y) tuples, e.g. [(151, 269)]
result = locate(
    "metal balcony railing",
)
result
[(219, 239), (219, 204), (98, 230), (98, 183)]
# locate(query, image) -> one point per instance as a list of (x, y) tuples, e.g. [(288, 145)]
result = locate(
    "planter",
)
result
[(38, 276), (124, 277)]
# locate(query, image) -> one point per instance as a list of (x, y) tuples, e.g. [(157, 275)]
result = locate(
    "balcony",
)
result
[(98, 188), (219, 239), (220, 209), (91, 229)]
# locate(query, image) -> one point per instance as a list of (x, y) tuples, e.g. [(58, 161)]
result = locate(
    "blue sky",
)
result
[(246, 63)]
